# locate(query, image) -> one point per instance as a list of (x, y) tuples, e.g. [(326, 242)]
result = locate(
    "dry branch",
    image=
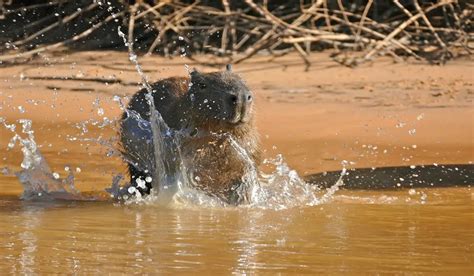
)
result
[(234, 31)]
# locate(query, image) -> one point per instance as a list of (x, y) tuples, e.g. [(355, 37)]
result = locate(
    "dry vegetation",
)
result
[(232, 31)]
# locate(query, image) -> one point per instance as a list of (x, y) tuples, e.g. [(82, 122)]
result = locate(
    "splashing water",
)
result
[(165, 183), (39, 182), (281, 189), (284, 188)]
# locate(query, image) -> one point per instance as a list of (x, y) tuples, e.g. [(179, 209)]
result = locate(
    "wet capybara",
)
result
[(209, 110)]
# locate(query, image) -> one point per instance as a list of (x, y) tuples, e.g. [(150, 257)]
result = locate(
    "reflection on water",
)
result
[(337, 237), (29, 241)]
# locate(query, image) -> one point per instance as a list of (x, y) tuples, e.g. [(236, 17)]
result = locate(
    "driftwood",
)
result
[(233, 31)]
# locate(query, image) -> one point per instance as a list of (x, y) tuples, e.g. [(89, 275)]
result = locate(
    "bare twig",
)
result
[(150, 9), (131, 24), (364, 16), (401, 27), (428, 23), (303, 55), (344, 15), (257, 46), (224, 41)]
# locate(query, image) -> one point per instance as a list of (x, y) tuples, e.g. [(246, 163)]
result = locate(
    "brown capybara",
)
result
[(207, 110)]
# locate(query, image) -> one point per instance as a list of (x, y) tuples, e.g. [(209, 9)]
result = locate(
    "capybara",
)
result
[(208, 110)]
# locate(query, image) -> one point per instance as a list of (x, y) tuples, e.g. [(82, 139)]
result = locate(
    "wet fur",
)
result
[(215, 165)]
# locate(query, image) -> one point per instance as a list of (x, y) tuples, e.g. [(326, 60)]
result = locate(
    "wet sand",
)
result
[(380, 114)]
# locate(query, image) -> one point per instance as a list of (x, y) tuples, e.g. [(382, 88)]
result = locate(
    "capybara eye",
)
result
[(202, 86)]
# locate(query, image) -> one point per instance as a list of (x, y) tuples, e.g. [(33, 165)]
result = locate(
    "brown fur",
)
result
[(202, 106)]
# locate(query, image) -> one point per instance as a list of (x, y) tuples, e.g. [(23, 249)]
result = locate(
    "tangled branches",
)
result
[(357, 31)]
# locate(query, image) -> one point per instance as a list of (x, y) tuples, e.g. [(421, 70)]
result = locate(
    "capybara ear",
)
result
[(194, 73), (228, 67)]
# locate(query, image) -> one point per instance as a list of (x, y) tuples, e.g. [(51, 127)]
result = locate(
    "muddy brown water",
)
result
[(356, 233), (410, 231)]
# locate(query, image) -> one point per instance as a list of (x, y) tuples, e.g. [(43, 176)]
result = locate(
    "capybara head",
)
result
[(220, 97)]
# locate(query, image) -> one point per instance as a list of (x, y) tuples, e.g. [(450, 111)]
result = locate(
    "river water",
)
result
[(303, 230), (415, 231), (355, 233)]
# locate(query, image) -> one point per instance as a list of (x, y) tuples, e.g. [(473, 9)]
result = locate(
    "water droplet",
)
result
[(140, 183), (412, 192), (131, 190), (400, 125), (56, 175), (412, 131)]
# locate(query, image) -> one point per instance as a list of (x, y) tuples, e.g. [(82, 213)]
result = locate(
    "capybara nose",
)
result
[(241, 98), (234, 99)]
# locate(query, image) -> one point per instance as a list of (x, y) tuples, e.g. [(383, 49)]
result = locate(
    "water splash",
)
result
[(38, 180), (284, 188), (281, 189), (165, 182)]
